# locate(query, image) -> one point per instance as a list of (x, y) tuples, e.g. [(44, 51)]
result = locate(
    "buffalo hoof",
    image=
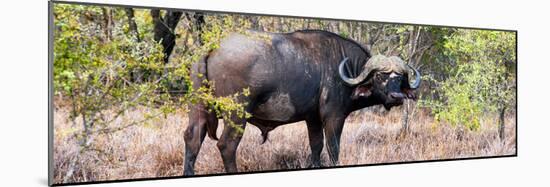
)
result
[(312, 165), (188, 173)]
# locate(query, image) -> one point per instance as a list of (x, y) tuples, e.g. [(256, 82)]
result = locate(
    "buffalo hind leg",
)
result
[(194, 136), (333, 131), (229, 142), (315, 135)]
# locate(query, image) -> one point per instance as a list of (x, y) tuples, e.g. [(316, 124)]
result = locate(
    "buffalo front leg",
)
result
[(315, 135), (194, 136), (333, 131), (229, 141)]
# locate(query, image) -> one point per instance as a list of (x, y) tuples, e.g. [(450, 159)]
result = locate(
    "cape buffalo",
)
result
[(310, 75)]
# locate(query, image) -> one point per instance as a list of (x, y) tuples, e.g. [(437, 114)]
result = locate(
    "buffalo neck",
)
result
[(363, 102)]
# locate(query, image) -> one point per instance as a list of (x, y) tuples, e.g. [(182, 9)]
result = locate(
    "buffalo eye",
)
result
[(381, 77)]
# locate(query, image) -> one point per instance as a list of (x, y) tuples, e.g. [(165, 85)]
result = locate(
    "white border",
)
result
[(23, 99)]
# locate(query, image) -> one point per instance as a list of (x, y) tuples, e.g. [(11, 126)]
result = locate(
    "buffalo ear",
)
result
[(361, 91)]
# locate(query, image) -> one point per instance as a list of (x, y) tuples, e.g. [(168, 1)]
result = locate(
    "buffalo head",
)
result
[(384, 79)]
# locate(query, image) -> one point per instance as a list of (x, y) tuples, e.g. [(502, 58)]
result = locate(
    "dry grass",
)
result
[(156, 150)]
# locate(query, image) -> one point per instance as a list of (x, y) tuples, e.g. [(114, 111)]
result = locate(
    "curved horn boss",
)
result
[(372, 64)]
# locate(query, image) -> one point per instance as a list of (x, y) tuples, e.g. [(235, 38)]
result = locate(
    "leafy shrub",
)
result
[(480, 82)]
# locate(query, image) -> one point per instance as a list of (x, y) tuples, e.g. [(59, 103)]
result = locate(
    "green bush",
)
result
[(102, 75), (479, 79)]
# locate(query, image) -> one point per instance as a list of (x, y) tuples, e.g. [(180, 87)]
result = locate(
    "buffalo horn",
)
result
[(416, 82), (348, 80)]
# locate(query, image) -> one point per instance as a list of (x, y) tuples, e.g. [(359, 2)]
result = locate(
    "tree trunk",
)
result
[(107, 23), (199, 23), (132, 23), (279, 26), (501, 123), (360, 34), (255, 22), (405, 119), (351, 31), (164, 30)]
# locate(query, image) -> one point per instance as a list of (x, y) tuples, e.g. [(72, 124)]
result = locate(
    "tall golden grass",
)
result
[(156, 149)]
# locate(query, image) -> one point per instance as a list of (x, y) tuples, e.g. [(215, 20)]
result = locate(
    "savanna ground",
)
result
[(156, 149)]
